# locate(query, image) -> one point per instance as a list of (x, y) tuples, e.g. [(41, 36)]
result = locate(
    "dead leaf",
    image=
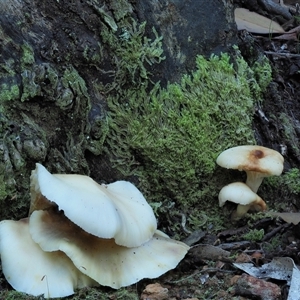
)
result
[(288, 217), (255, 23), (280, 268), (295, 287), (292, 34)]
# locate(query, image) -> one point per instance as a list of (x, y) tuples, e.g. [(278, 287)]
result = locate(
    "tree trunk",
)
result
[(60, 60)]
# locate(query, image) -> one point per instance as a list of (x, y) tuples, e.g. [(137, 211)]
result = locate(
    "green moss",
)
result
[(72, 79), (132, 52), (273, 244), (254, 235), (176, 133), (27, 58), (289, 131), (289, 181), (260, 66), (8, 67), (263, 72), (74, 89), (105, 15), (14, 295), (30, 87), (203, 220), (85, 293), (3, 192), (9, 92), (120, 8), (99, 294)]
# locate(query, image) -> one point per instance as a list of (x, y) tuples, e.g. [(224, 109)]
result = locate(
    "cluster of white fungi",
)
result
[(80, 233), (258, 162)]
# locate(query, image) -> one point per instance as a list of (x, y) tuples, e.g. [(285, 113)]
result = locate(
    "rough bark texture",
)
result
[(56, 59)]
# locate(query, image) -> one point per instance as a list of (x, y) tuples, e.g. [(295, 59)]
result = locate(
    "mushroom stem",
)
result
[(254, 180), (240, 211)]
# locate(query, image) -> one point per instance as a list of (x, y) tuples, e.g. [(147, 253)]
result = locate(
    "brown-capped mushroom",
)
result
[(257, 161)]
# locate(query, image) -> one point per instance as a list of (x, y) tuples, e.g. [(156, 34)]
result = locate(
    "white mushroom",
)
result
[(30, 270), (241, 194), (102, 259), (117, 210), (257, 161)]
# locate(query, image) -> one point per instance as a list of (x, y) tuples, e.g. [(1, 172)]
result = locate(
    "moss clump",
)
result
[(289, 132), (3, 192), (288, 182), (85, 293), (9, 92), (171, 137), (274, 244), (27, 58), (132, 52), (13, 295), (263, 72), (133, 56), (254, 235), (99, 294), (291, 180), (260, 66), (121, 8), (75, 90)]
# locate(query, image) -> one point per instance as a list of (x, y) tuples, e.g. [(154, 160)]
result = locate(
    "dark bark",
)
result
[(56, 59)]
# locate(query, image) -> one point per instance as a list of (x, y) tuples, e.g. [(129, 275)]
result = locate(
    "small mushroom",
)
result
[(257, 161), (30, 270), (102, 259), (117, 210), (241, 194)]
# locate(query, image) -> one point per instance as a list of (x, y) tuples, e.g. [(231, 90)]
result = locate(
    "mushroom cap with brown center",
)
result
[(257, 161), (252, 158)]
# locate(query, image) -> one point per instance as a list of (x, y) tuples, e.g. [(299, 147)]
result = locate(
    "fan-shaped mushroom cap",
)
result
[(257, 161), (117, 210), (31, 270), (241, 194), (102, 259)]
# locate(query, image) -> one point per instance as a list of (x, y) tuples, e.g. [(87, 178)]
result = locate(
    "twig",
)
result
[(273, 7), (274, 231), (282, 54)]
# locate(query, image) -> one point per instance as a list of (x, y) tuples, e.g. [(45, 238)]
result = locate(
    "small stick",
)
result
[(282, 54)]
